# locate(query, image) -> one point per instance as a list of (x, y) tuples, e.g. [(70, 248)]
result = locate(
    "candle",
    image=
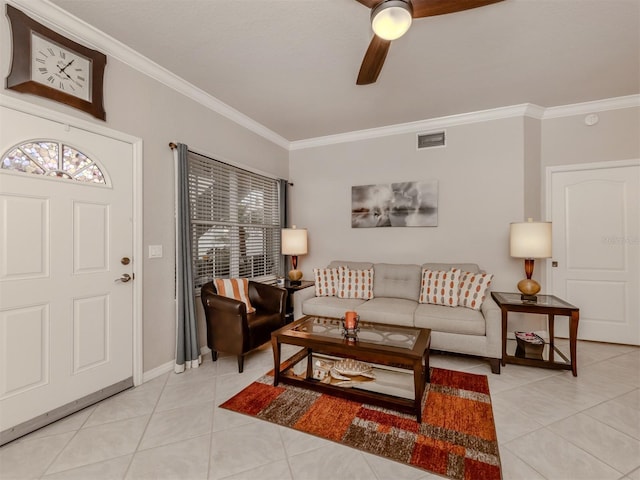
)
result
[(350, 320)]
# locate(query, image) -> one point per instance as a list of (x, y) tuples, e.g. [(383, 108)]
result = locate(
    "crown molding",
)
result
[(615, 103), (523, 110), (526, 109), (46, 12)]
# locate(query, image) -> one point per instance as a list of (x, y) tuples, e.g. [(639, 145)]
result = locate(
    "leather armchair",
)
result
[(230, 329)]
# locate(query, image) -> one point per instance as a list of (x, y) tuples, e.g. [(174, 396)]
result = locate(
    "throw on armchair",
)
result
[(230, 329)]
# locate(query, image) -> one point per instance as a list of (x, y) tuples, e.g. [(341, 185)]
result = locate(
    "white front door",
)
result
[(595, 212), (66, 320)]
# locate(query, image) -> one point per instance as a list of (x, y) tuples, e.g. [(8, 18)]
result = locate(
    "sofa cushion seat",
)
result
[(331, 306), (394, 311), (444, 319)]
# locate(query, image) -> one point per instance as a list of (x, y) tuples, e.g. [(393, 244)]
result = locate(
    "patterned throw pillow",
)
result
[(355, 283), (439, 287), (473, 289), (236, 288), (326, 281)]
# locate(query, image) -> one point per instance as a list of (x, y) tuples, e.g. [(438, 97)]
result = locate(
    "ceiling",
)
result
[(291, 65)]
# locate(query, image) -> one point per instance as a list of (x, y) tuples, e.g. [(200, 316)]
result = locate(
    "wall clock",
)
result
[(48, 64)]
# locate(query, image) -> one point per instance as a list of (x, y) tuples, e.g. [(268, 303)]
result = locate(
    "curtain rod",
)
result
[(173, 146)]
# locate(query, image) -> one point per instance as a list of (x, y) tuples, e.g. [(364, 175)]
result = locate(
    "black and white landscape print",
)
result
[(407, 204)]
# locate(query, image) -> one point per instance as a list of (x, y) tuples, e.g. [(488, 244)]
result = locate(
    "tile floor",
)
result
[(550, 426)]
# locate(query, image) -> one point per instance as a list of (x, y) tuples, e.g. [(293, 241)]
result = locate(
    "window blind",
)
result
[(235, 222)]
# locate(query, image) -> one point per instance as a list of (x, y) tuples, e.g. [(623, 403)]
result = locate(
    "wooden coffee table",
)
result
[(378, 344)]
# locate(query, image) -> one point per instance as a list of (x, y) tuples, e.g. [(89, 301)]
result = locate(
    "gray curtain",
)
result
[(187, 350), (283, 185)]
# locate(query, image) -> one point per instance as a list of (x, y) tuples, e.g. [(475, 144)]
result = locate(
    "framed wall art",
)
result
[(405, 204)]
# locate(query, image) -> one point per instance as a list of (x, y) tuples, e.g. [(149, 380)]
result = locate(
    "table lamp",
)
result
[(294, 243), (530, 240)]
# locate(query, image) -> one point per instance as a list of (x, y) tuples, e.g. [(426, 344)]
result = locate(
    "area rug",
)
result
[(456, 439)]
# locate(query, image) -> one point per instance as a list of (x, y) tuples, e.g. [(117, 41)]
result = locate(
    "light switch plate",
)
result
[(155, 251)]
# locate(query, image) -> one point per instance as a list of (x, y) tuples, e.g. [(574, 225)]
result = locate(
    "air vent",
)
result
[(428, 140)]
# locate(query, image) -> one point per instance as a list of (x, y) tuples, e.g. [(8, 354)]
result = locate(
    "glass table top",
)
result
[(542, 300), (395, 336)]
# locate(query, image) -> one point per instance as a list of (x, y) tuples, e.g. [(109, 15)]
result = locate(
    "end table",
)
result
[(546, 305), (291, 290)]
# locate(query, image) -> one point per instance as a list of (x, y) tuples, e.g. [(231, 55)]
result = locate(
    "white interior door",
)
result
[(66, 322), (596, 243)]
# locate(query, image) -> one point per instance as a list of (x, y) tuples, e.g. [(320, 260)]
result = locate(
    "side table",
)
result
[(291, 290), (549, 305)]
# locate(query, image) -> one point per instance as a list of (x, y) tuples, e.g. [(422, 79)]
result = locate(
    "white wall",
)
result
[(568, 140), (480, 174), (140, 106), (490, 174)]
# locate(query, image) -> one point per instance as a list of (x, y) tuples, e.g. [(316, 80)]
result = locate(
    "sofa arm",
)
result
[(227, 327), (299, 298), (493, 320), (268, 298)]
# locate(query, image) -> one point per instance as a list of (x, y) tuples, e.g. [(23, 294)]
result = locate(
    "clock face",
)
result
[(60, 68)]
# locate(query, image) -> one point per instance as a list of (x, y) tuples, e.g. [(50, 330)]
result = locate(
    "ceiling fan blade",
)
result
[(373, 61), (369, 3), (430, 8)]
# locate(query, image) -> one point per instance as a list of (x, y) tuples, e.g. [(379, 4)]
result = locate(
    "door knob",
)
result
[(124, 278)]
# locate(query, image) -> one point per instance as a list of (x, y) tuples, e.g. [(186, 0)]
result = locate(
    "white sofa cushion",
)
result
[(326, 281), (394, 311), (330, 306), (355, 283), (396, 281), (450, 320), (473, 289), (440, 287)]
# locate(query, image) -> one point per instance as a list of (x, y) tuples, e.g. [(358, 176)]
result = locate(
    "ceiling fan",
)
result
[(390, 19)]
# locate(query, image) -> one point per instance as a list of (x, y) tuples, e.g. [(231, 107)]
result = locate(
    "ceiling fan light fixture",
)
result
[(391, 19)]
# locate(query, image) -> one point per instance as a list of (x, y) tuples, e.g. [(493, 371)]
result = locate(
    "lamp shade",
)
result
[(294, 241), (391, 19), (530, 239)]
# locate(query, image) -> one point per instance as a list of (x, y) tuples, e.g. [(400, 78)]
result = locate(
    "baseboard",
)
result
[(167, 367), (156, 372)]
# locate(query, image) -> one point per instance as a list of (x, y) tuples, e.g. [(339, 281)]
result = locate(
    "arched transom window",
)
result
[(53, 159)]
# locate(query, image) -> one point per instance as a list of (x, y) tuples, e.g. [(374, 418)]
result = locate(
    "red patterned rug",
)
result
[(457, 436)]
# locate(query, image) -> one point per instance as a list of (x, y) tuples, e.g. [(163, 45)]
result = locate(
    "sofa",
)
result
[(398, 297)]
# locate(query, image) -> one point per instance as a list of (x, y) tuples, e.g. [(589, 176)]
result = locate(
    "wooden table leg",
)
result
[(276, 360), (552, 345), (418, 387), (573, 337), (427, 369), (309, 363), (504, 336)]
